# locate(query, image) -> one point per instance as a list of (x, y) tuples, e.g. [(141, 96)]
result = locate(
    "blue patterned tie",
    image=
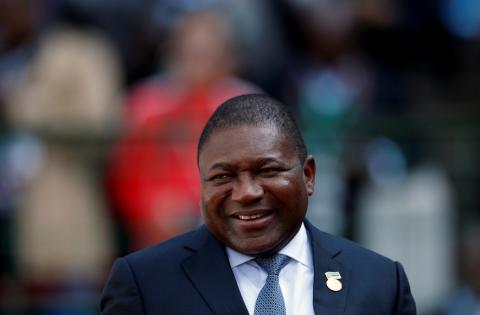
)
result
[(270, 300)]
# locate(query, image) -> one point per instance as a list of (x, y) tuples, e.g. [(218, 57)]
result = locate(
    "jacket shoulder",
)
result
[(352, 249)]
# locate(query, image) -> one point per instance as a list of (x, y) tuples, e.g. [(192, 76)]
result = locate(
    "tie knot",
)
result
[(273, 264)]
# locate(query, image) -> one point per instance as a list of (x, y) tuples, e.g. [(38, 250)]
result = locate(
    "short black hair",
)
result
[(254, 110)]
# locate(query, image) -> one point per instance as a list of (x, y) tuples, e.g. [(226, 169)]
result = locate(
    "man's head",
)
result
[(255, 175), (254, 110)]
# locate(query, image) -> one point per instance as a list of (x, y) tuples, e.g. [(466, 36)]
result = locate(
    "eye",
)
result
[(270, 171), (221, 177)]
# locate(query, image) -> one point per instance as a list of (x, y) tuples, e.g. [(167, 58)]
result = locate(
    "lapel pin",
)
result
[(333, 282)]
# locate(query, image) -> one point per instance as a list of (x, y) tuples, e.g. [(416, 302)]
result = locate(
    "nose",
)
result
[(246, 189)]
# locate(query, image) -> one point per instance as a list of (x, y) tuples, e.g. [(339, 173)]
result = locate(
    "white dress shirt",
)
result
[(296, 278)]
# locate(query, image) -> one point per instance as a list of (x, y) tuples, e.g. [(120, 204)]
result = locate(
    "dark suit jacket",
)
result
[(190, 274)]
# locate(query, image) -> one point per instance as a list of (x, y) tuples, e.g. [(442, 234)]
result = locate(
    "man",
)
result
[(256, 253)]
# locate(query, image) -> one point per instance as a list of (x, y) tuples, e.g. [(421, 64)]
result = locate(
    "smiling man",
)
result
[(256, 253)]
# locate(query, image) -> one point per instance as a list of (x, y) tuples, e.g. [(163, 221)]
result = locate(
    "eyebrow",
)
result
[(221, 165), (268, 160), (261, 161)]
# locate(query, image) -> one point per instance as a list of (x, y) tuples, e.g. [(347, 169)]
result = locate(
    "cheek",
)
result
[(286, 188), (291, 192), (212, 198), (284, 184)]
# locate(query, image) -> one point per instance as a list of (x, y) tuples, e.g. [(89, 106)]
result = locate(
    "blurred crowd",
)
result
[(102, 102)]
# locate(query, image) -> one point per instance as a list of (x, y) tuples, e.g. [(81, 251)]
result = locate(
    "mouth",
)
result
[(249, 217), (253, 216)]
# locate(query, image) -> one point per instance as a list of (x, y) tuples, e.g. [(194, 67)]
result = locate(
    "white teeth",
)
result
[(250, 217)]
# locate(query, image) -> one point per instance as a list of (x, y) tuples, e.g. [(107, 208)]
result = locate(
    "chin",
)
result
[(266, 249)]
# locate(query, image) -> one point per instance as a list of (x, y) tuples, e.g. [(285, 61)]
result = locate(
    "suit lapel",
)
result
[(326, 301), (211, 274)]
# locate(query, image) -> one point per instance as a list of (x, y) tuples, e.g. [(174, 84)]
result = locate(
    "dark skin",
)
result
[(254, 188)]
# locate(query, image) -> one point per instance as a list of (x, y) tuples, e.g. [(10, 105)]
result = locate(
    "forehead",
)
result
[(245, 142)]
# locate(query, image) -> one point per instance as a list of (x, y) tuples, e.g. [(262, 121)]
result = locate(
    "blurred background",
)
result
[(102, 102)]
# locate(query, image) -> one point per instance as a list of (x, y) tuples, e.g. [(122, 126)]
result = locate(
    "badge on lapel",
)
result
[(333, 282)]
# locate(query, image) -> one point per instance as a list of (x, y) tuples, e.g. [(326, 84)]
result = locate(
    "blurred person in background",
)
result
[(329, 84), (260, 50), (68, 101), (406, 210), (20, 23), (153, 175)]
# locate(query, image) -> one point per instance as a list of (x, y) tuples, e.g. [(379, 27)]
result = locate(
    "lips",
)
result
[(250, 217)]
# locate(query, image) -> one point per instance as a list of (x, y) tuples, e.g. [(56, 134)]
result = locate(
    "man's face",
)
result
[(254, 188)]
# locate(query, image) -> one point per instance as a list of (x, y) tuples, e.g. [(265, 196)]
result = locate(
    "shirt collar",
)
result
[(298, 249)]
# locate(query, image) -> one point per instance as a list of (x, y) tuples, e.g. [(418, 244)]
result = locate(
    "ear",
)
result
[(309, 170)]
